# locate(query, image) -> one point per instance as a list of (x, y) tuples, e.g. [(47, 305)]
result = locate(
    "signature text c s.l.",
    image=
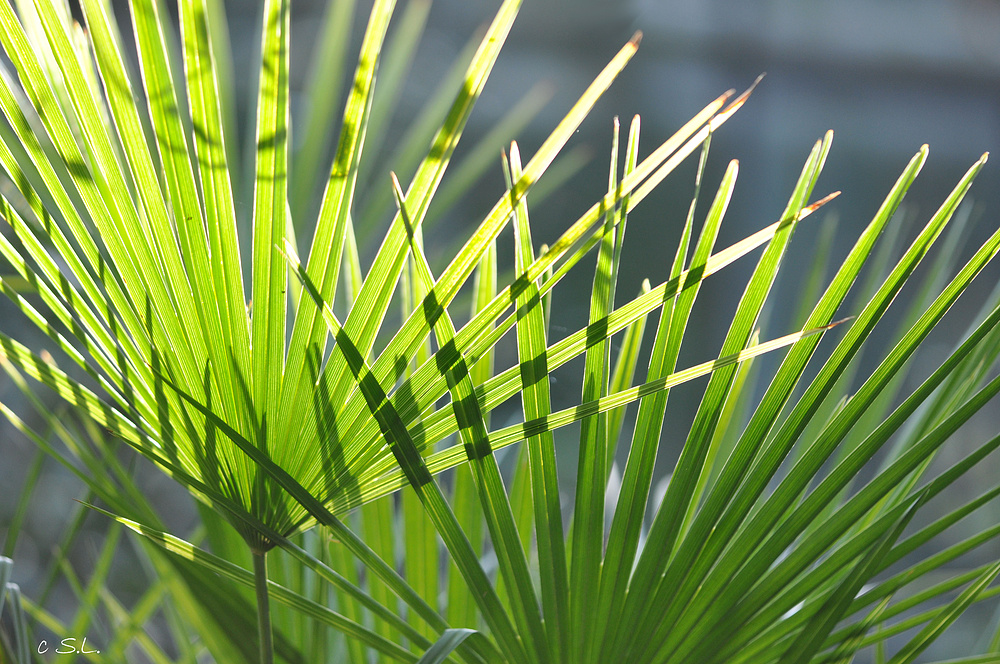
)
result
[(68, 646)]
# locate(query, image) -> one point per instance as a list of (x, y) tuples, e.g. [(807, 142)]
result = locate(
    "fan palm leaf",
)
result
[(282, 393)]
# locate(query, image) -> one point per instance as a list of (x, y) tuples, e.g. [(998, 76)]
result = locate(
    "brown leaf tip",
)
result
[(821, 202), (837, 322)]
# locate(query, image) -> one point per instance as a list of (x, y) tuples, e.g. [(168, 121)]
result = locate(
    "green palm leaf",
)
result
[(281, 413)]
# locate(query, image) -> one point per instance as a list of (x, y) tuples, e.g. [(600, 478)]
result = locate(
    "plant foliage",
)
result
[(315, 410)]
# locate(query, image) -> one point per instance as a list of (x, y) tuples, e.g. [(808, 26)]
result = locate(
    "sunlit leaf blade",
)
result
[(811, 638), (267, 339), (461, 605), (377, 201), (317, 511), (509, 435), (535, 402), (193, 295), (623, 375), (416, 327), (945, 617), (141, 249), (397, 57), (492, 494), (669, 516), (323, 90), (587, 533), (754, 529), (308, 339), (127, 123), (738, 464), (507, 383), (182, 194), (429, 374), (372, 301), (10, 593), (123, 188), (226, 569), (676, 503), (447, 643), (419, 478), (84, 326), (471, 169), (85, 268), (213, 171), (631, 507)]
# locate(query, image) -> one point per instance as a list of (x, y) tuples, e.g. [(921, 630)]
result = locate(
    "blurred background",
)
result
[(886, 76)]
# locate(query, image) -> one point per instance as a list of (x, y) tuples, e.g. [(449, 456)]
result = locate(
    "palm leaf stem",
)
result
[(263, 607)]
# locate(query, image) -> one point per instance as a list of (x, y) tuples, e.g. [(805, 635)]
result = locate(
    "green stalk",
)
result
[(263, 607)]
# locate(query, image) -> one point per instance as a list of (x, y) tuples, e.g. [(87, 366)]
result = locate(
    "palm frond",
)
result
[(292, 401)]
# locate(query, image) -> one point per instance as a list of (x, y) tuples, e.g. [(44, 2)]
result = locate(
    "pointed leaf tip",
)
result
[(809, 209), (290, 252), (749, 91), (515, 152), (835, 323), (396, 189), (734, 105)]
